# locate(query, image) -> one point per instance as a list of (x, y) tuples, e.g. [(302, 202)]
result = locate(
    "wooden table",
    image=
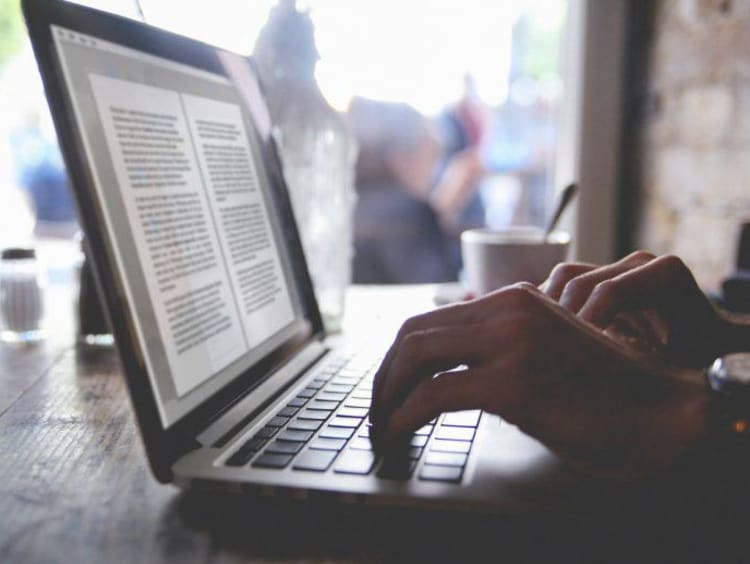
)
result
[(75, 487)]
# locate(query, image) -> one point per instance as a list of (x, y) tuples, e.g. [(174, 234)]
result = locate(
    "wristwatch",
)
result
[(729, 378)]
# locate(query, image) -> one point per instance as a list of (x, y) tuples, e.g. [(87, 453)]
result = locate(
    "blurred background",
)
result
[(454, 97), (480, 97)]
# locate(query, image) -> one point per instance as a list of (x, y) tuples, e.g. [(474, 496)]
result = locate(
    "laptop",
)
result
[(233, 380)]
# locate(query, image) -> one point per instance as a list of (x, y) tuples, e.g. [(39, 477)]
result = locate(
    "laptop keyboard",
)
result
[(325, 427)]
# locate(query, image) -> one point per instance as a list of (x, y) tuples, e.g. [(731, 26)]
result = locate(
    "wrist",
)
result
[(696, 407), (682, 423), (724, 447)]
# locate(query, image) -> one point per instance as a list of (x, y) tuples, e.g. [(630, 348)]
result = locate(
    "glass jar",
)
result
[(21, 296), (318, 153)]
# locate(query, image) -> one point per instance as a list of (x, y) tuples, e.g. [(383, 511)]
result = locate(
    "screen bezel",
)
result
[(163, 446)]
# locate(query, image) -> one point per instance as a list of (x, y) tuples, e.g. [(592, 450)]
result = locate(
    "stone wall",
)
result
[(695, 143)]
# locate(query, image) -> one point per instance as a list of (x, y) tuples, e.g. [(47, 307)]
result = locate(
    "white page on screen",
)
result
[(201, 227), (177, 171), (155, 162), (240, 215)]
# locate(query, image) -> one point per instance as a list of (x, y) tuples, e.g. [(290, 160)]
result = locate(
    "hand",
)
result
[(658, 293), (526, 358)]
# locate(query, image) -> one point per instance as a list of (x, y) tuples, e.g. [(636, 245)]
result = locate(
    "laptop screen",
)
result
[(174, 152)]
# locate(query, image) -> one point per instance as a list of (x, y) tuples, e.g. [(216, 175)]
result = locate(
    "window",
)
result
[(501, 60)]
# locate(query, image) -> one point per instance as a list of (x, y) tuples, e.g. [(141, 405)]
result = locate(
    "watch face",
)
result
[(737, 367)]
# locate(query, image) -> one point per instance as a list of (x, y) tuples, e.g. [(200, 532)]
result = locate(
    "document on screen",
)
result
[(200, 223)]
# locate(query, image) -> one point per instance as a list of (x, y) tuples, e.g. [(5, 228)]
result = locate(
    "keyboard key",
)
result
[(266, 432), (307, 393), (337, 381), (295, 436), (358, 412), (418, 441), (284, 447), (322, 405), (297, 402), (446, 459), (399, 470), (364, 431), (348, 373), (288, 411), (362, 393), (278, 421), (327, 444), (340, 360), (424, 431), (316, 384), (272, 460), (441, 473), (355, 462), (314, 460), (305, 425), (460, 447), (245, 452), (360, 443), (345, 422), (336, 432), (331, 396), (339, 388), (358, 402), (462, 418), (314, 414), (351, 374), (415, 452), (455, 433)]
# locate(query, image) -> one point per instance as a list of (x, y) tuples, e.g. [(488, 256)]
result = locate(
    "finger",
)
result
[(453, 315), (652, 285), (577, 291), (452, 391), (474, 346), (635, 331), (646, 325), (431, 350), (424, 353), (561, 275)]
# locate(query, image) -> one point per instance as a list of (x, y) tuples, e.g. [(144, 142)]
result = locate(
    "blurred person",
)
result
[(466, 122), (464, 126), (410, 210), (41, 172), (37, 163), (522, 142), (16, 221)]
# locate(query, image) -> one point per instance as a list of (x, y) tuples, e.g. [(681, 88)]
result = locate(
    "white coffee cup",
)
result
[(494, 258)]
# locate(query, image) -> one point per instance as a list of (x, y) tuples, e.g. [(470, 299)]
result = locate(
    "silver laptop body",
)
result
[(233, 380)]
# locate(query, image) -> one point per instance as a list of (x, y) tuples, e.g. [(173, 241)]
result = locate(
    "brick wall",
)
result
[(695, 180)]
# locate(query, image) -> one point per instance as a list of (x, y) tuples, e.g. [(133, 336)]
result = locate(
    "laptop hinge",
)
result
[(264, 393)]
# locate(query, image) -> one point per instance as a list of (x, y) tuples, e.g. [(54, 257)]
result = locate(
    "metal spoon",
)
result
[(566, 196)]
